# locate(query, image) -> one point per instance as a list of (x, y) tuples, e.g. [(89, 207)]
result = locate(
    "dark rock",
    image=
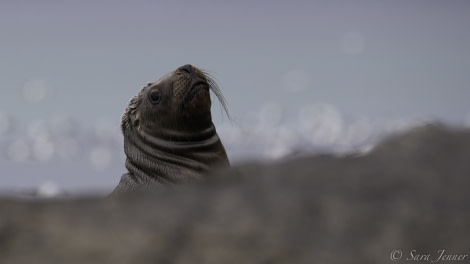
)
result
[(409, 193)]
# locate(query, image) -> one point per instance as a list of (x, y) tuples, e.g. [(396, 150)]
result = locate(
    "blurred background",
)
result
[(298, 76)]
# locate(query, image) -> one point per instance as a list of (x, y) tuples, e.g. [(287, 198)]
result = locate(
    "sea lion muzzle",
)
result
[(197, 81), (187, 68)]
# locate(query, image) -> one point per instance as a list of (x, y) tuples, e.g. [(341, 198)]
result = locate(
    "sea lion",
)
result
[(169, 136)]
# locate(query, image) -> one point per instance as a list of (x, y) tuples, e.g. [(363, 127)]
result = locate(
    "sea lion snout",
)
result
[(192, 72), (186, 68), (191, 90), (196, 76)]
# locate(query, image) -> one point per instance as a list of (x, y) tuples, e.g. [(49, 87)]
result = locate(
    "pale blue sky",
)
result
[(413, 57), (309, 75)]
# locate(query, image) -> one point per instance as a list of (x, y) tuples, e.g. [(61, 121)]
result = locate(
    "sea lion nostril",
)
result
[(186, 68)]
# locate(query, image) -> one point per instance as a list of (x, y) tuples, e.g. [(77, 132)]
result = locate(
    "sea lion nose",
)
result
[(186, 68)]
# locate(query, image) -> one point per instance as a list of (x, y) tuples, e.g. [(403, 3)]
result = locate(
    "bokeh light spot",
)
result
[(352, 43), (34, 91), (18, 151), (49, 189), (100, 158), (43, 149), (295, 80), (67, 148), (5, 124)]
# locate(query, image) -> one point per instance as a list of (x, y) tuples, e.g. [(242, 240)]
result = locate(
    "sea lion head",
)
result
[(168, 132), (177, 105)]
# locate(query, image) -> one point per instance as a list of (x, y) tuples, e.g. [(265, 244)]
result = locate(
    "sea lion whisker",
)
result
[(214, 87)]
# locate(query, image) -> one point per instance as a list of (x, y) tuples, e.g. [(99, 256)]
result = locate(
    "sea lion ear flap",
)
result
[(129, 121), (129, 118), (125, 122)]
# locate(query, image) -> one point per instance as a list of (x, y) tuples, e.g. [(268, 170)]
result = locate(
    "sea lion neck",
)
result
[(171, 160), (181, 133)]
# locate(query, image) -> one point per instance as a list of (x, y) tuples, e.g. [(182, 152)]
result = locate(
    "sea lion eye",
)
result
[(155, 97)]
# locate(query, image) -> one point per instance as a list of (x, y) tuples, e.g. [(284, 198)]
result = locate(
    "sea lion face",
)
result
[(179, 101)]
